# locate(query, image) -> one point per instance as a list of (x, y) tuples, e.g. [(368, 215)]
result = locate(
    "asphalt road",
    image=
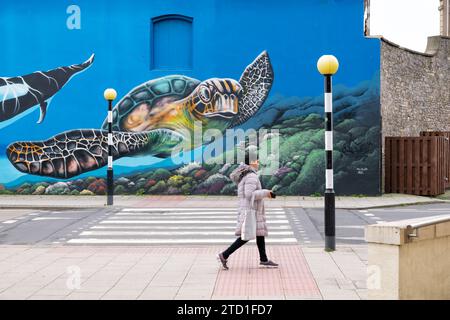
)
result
[(309, 223), (189, 226)]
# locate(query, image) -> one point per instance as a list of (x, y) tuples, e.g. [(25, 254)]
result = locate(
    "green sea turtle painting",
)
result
[(152, 119)]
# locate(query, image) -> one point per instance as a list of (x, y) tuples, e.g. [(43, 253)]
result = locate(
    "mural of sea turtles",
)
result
[(152, 119)]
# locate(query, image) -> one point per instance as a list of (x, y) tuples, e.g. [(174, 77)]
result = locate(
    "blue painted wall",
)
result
[(226, 37)]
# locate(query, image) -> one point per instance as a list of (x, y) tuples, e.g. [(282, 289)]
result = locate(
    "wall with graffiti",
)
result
[(180, 67)]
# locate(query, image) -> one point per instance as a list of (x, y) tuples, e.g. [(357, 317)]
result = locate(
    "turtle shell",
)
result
[(173, 88)]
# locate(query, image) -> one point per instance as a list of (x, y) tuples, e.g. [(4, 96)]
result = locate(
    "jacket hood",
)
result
[(240, 172)]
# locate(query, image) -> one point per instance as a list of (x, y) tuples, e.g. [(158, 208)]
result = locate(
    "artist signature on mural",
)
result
[(361, 170)]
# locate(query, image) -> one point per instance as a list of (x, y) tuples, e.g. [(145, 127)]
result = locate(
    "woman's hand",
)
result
[(272, 194)]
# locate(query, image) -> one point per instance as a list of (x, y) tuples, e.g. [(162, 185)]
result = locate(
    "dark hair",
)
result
[(249, 155), (247, 158), (250, 149)]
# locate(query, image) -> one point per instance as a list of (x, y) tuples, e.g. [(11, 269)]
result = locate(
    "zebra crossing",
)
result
[(177, 226)]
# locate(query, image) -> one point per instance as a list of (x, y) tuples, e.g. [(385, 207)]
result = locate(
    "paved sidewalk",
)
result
[(83, 272), (61, 202)]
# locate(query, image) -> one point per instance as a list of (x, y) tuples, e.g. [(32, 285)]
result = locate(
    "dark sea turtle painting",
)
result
[(151, 119)]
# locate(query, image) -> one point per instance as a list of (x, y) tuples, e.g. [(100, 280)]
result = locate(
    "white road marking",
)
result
[(369, 214), (280, 227), (350, 227), (397, 210), (174, 213), (52, 218), (168, 233), (363, 211), (189, 214), (351, 238), (176, 226), (181, 222), (170, 241), (9, 221), (187, 209), (171, 216)]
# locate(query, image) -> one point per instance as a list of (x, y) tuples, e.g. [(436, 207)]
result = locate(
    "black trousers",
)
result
[(239, 243)]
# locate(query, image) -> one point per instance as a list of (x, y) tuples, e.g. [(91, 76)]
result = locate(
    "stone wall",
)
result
[(415, 89), (444, 12)]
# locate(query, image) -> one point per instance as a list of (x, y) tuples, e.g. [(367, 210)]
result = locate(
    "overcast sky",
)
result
[(405, 22)]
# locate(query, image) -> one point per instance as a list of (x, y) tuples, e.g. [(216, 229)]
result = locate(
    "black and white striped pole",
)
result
[(328, 66), (110, 95)]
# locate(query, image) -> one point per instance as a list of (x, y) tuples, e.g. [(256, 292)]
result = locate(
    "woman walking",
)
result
[(249, 186)]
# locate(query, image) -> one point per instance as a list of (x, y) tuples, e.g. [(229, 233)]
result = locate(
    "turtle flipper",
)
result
[(256, 82), (163, 143), (78, 151)]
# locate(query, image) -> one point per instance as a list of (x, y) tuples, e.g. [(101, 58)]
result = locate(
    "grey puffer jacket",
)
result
[(249, 185)]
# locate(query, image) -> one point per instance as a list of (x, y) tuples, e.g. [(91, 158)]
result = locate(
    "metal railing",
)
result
[(412, 230)]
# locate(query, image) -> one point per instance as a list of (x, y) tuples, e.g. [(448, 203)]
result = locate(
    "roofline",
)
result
[(431, 50)]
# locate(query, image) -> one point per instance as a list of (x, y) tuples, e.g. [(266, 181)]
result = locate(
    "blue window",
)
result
[(171, 42)]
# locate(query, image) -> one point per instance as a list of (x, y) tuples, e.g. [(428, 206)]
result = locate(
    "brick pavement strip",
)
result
[(246, 278), (34, 272)]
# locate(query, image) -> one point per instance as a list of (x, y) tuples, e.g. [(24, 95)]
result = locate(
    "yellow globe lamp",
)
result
[(110, 94), (328, 65)]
